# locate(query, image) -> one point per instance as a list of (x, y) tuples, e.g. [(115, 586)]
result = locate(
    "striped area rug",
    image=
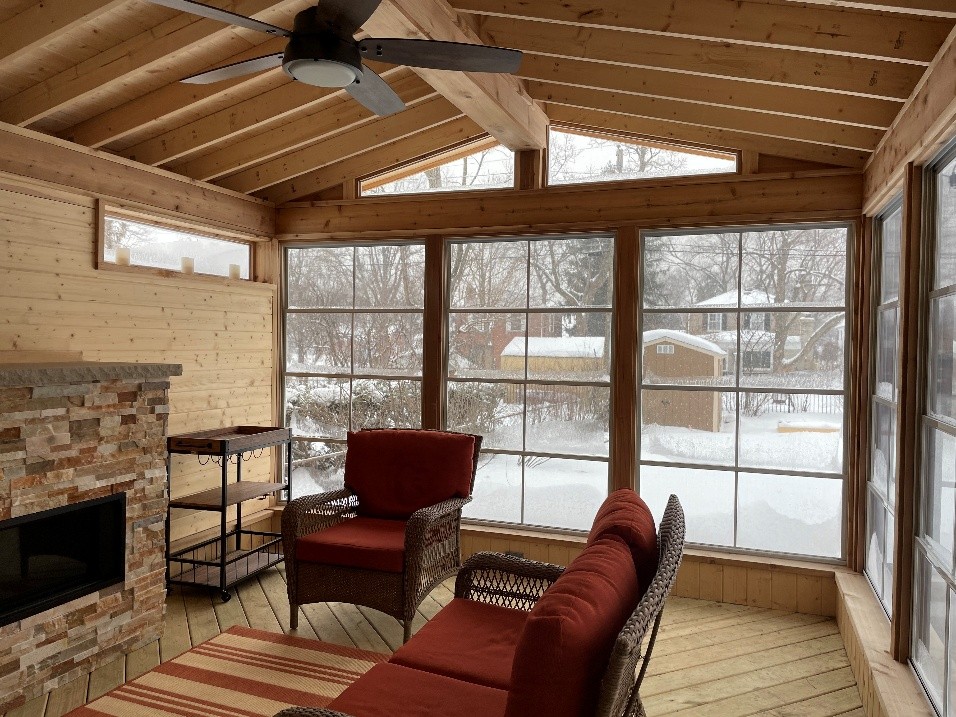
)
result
[(240, 673)]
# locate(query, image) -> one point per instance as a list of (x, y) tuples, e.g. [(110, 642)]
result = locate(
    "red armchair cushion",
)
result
[(396, 472), (370, 543), (389, 690), (567, 641), (627, 516), (467, 640)]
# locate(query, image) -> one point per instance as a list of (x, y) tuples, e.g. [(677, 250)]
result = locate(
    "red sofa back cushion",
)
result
[(396, 472), (627, 516), (566, 644)]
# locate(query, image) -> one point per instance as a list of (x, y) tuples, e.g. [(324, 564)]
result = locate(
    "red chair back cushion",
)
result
[(567, 641), (396, 472), (627, 516)]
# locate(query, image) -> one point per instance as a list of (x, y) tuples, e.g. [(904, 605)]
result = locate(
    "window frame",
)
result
[(106, 210), (286, 311), (847, 309), (527, 312)]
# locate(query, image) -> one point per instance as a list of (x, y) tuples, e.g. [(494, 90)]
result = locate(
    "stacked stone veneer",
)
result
[(69, 433)]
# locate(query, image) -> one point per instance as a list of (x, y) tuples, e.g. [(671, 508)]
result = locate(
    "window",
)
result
[(881, 485), (667, 349), (578, 156), (137, 243), (485, 165), (934, 603), (541, 402), (746, 425), (715, 322), (353, 350)]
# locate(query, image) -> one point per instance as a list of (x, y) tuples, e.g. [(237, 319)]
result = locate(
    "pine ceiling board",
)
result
[(794, 128), (772, 24), (277, 106), (796, 101), (176, 47), (339, 113), (874, 78), (149, 114), (928, 8)]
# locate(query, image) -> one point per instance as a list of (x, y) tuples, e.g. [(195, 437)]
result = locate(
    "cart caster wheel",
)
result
[(225, 595)]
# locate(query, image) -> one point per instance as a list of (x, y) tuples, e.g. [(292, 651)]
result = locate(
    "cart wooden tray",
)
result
[(234, 439)]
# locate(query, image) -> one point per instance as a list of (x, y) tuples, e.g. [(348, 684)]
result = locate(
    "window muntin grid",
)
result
[(353, 333), (881, 483), (528, 367), (739, 489), (934, 607)]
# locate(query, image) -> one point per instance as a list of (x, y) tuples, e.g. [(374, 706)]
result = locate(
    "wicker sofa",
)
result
[(523, 638)]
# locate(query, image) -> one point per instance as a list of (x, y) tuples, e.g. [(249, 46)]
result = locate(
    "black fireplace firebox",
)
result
[(58, 555)]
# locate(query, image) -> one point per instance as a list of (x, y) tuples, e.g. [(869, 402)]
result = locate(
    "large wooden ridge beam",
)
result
[(498, 103)]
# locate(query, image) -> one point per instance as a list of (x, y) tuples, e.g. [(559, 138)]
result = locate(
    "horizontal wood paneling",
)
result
[(54, 299)]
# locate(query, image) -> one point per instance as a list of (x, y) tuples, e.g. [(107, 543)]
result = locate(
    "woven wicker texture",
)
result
[(518, 583), (432, 554)]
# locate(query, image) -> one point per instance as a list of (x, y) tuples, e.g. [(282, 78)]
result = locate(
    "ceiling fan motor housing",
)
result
[(318, 54)]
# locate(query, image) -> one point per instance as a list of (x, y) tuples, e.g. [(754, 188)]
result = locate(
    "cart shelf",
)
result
[(235, 493)]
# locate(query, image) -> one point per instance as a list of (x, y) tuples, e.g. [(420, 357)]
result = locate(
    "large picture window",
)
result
[(934, 604), (881, 486), (745, 422), (353, 350), (529, 369)]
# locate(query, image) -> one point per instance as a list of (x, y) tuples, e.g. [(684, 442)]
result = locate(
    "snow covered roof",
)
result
[(747, 298), (754, 340), (684, 339), (557, 346)]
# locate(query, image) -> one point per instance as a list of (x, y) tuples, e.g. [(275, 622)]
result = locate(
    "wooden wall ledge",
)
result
[(888, 688)]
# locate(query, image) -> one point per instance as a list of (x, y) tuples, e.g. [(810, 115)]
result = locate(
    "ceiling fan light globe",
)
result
[(321, 73)]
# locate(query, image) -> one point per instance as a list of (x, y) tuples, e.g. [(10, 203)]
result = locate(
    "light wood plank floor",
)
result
[(711, 659)]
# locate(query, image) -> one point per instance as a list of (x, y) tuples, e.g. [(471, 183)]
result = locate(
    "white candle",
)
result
[(188, 265), (122, 255), (234, 272)]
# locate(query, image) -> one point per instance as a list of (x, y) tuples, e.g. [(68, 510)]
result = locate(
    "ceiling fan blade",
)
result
[(214, 13), (440, 55), (236, 69), (374, 92), (349, 15)]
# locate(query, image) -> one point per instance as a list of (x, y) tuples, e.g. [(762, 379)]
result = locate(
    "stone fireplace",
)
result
[(72, 434)]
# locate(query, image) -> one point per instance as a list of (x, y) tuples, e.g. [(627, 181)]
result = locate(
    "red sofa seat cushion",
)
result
[(396, 472), (467, 640), (370, 543), (389, 690), (567, 641), (626, 515)]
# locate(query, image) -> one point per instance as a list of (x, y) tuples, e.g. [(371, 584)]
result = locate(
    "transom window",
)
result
[(482, 165), (353, 350), (535, 382), (745, 424), (577, 156)]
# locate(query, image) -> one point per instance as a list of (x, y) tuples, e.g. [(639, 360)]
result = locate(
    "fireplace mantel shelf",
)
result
[(45, 374)]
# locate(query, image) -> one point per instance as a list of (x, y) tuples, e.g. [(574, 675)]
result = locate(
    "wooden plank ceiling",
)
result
[(818, 81)]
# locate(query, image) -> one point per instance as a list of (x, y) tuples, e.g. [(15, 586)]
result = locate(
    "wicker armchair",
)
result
[(518, 583), (432, 553)]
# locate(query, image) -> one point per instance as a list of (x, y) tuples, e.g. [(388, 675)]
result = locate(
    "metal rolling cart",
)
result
[(236, 554)]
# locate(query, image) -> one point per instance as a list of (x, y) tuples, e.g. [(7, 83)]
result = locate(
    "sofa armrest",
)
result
[(309, 712), (505, 580)]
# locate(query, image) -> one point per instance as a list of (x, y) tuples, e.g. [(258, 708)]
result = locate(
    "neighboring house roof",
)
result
[(557, 347), (753, 340), (747, 298), (684, 339)]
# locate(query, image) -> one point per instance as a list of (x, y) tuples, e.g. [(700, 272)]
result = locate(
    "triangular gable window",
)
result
[(482, 165), (580, 157)]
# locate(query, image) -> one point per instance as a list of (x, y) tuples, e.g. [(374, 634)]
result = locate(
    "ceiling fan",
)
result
[(323, 52)]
